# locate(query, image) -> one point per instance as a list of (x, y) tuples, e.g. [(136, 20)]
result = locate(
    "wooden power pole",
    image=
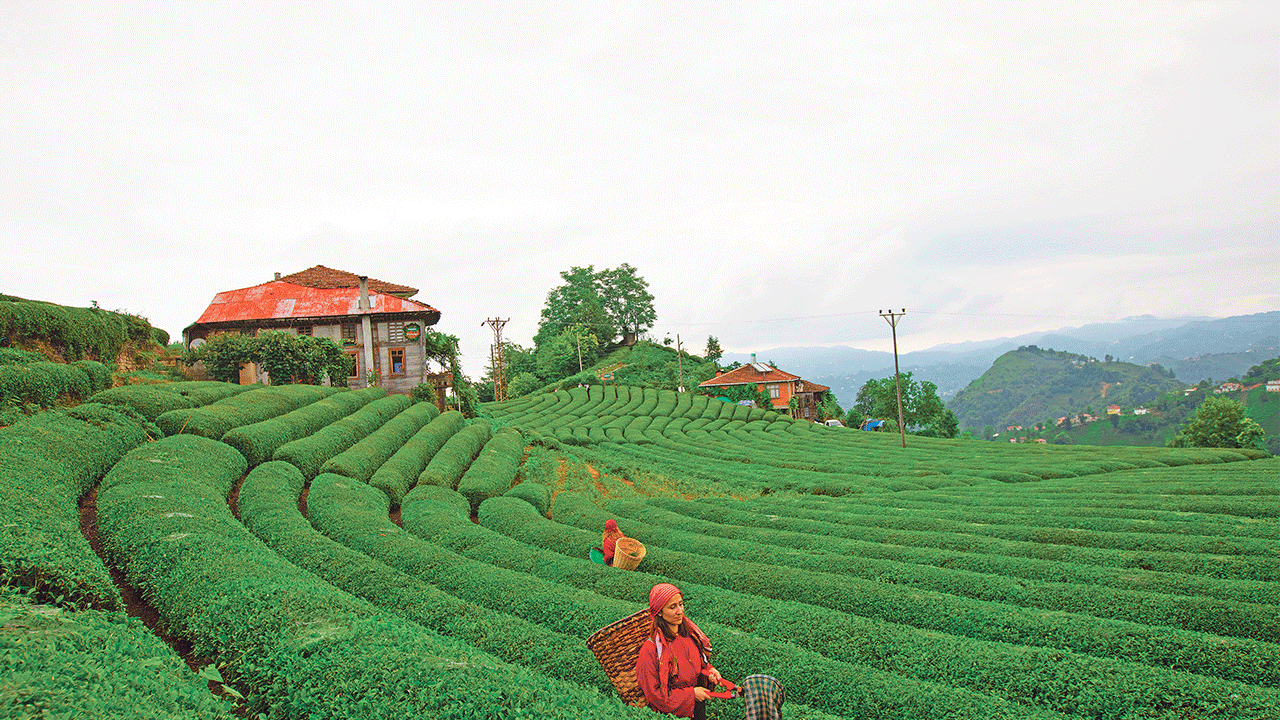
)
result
[(892, 318), (495, 358), (680, 362)]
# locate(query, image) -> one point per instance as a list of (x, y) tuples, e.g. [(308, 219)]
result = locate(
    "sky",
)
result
[(777, 172)]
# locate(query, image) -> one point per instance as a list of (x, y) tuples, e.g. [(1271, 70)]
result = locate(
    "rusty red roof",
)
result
[(326, 278), (748, 374), (280, 300)]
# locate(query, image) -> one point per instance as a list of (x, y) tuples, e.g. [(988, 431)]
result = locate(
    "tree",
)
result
[(713, 353), (605, 302), (286, 358), (922, 409), (1220, 422), (522, 384), (559, 357), (626, 297)]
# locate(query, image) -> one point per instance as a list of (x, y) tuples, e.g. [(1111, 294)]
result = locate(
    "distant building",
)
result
[(1273, 386), (1142, 411), (781, 387), (1011, 428), (1113, 409), (1227, 387), (375, 321)]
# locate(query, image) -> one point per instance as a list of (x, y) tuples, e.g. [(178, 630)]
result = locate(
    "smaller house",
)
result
[(1013, 427), (1227, 387), (1273, 386), (781, 387), (1113, 409), (1142, 411)]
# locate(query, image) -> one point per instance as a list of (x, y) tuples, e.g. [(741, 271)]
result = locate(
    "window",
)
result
[(395, 332), (355, 363), (397, 362), (304, 330), (773, 390), (349, 332)]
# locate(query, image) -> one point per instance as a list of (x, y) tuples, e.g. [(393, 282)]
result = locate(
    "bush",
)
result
[(537, 495), (448, 465), (47, 462), (259, 441), (217, 419), (309, 453), (75, 333), (363, 459), (494, 469), (398, 474)]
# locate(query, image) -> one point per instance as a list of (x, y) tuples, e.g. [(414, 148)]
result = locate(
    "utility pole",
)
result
[(892, 318), (680, 362), (495, 358), (578, 338)]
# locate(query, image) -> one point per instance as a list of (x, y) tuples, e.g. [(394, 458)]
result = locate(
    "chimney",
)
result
[(364, 292), (277, 276), (753, 358)]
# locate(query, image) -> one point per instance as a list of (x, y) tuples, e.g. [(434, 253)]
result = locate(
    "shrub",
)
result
[(259, 441), (47, 462), (494, 469), (448, 465), (216, 419), (363, 459), (398, 474), (309, 453), (76, 333), (536, 494)]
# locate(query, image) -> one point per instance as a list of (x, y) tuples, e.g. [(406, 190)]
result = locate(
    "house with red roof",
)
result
[(375, 321), (781, 387)]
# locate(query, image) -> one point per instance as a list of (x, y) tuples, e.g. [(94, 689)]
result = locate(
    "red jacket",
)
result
[(678, 699)]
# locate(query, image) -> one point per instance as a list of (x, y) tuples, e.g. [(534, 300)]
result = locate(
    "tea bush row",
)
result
[(216, 419), (258, 442), (300, 647), (362, 460), (356, 517), (1227, 567), (310, 453), (76, 333), (152, 401), (494, 469), (1019, 673), (399, 473), (1208, 619), (43, 383), (93, 664), (268, 504), (448, 465), (47, 462)]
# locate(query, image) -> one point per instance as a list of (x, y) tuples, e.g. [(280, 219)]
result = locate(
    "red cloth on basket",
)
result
[(611, 536)]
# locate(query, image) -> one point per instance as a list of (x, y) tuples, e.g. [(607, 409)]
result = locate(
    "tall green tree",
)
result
[(626, 298), (1220, 422), (713, 353), (922, 409)]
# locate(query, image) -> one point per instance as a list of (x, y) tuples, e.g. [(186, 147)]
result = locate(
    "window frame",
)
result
[(391, 361)]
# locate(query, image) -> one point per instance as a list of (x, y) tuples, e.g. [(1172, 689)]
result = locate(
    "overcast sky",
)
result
[(777, 172)]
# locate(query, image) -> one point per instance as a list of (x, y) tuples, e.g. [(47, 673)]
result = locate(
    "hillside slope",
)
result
[(1031, 385)]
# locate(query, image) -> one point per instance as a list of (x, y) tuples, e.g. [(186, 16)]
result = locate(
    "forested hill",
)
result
[(1031, 385)]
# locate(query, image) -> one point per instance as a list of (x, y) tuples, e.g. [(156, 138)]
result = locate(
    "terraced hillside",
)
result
[(352, 555)]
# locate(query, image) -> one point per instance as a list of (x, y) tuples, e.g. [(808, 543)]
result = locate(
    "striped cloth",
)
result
[(763, 696)]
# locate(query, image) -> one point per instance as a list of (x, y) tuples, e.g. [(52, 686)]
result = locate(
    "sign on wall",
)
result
[(412, 331)]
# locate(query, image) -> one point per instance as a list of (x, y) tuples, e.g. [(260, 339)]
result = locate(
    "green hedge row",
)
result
[(268, 504), (152, 401), (1203, 651), (298, 646), (534, 493), (494, 469), (218, 418), (308, 454), (47, 462), (356, 517), (448, 465), (259, 441), (93, 664), (362, 460), (399, 473), (1019, 673), (1227, 567), (43, 383), (76, 333)]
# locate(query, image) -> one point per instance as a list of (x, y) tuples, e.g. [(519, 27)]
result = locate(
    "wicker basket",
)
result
[(628, 553), (604, 538), (617, 646)]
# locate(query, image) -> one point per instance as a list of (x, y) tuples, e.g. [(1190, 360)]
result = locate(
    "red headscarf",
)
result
[(611, 535), (659, 596)]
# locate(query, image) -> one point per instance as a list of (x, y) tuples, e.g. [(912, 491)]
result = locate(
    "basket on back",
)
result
[(616, 646), (628, 553)]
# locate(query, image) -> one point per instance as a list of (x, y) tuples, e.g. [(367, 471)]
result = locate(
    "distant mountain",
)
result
[(1195, 348), (1032, 385)]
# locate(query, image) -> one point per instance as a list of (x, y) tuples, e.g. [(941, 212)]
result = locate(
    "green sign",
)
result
[(412, 331)]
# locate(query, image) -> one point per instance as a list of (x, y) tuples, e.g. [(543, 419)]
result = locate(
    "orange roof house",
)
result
[(374, 320), (781, 386)]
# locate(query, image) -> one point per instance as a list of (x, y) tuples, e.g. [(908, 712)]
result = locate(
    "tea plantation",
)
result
[(347, 554)]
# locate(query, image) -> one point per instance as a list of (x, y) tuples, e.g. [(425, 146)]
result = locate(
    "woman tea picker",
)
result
[(674, 674)]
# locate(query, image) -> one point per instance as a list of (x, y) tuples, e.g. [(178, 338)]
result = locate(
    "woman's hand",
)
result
[(700, 693), (713, 675)]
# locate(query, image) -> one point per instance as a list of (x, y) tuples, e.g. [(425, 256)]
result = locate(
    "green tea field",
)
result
[(316, 553)]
